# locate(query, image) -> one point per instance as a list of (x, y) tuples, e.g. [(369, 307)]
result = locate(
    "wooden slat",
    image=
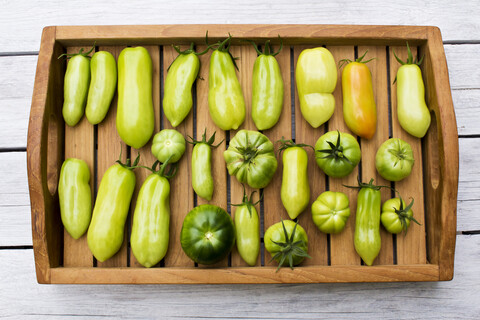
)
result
[(272, 203), (341, 245), (109, 146), (411, 249), (79, 143), (181, 193), (146, 157), (378, 68), (304, 133)]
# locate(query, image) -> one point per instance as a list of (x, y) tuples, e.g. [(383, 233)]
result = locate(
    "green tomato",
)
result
[(208, 234), (316, 78), (135, 116), (394, 159), (75, 89), (396, 216), (330, 211), (106, 231), (287, 243), (103, 68), (75, 196), (168, 143), (247, 230), (337, 153), (251, 159)]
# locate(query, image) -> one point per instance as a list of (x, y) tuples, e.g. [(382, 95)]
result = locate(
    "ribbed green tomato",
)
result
[(394, 159), (168, 143), (330, 211)]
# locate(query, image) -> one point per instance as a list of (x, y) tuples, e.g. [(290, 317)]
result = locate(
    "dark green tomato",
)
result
[(337, 153), (208, 234)]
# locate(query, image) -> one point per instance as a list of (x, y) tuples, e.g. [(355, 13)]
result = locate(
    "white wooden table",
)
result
[(20, 295)]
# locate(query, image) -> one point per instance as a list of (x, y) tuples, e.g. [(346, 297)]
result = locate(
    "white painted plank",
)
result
[(468, 217), (467, 110), (22, 297), (23, 21), (462, 61)]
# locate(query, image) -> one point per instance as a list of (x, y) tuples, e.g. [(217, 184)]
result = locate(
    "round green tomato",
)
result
[(208, 234), (330, 211), (394, 219), (337, 153), (168, 143), (278, 237), (394, 159)]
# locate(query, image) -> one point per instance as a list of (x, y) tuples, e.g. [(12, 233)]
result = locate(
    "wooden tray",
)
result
[(426, 253)]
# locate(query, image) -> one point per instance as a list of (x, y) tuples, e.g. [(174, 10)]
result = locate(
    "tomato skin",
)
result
[(75, 196), (295, 191), (316, 79), (168, 143), (330, 211), (225, 97), (267, 92), (251, 159), (177, 99), (105, 234), (359, 109), (394, 159), (336, 166), (412, 111), (202, 179), (151, 221), (208, 234), (391, 220), (103, 69), (135, 115), (247, 233), (75, 90)]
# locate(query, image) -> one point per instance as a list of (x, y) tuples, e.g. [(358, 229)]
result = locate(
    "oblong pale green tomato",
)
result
[(330, 211), (394, 159), (202, 180), (208, 234), (247, 231), (267, 90), (151, 221), (225, 97), (103, 69), (168, 143), (396, 216), (316, 78), (177, 99), (105, 234), (366, 238), (75, 196), (337, 153), (412, 111), (251, 159), (287, 243), (135, 115), (295, 191), (75, 89)]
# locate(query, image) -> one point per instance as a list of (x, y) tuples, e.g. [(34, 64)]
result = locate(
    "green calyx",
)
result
[(409, 58), (190, 50), (285, 144), (79, 53), (209, 142), (249, 152), (400, 154), (342, 62), (246, 201), (267, 48), (403, 215), (335, 151), (370, 185), (223, 46), (289, 249), (161, 171), (128, 163)]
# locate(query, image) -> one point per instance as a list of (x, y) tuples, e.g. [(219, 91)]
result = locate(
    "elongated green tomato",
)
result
[(330, 211), (367, 239), (295, 192), (247, 229), (396, 216), (316, 78), (267, 89), (177, 99), (105, 234), (359, 108), (168, 143), (135, 116), (287, 243), (75, 196), (412, 111), (75, 87), (202, 180), (225, 97), (103, 68), (151, 219)]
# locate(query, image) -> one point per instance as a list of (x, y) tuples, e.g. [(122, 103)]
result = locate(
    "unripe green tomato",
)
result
[(168, 143), (330, 211), (75, 90)]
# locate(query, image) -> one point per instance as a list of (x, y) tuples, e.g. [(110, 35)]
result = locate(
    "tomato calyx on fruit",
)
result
[(249, 152), (289, 249), (128, 163), (246, 201), (342, 62), (400, 154), (409, 58), (223, 46), (79, 53), (285, 144), (209, 142), (370, 185), (335, 151), (268, 49), (403, 215)]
